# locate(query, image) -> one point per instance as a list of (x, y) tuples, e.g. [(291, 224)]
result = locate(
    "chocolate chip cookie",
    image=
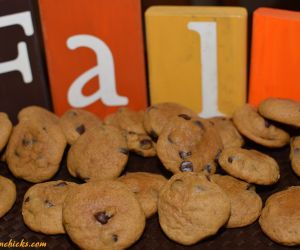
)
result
[(191, 208), (8, 195), (131, 123), (228, 132), (35, 150), (280, 218), (157, 115), (246, 204), (5, 129), (252, 125), (250, 166), (103, 215), (42, 206), (189, 144), (295, 154), (75, 122), (146, 186), (36, 113), (286, 111), (100, 153)]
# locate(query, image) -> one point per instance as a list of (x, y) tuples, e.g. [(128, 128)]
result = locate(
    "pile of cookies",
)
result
[(109, 210)]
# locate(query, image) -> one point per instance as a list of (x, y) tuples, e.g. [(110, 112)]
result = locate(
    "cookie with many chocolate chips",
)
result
[(189, 144), (36, 113), (5, 129), (295, 154), (75, 122), (8, 195), (42, 206), (280, 218), (35, 150), (131, 122), (252, 125), (286, 111), (157, 115), (250, 166), (100, 153), (191, 208), (227, 131), (146, 186), (246, 204), (103, 215)]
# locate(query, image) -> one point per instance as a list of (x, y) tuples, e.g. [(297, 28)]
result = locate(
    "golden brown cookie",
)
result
[(75, 122), (35, 150), (281, 110), (42, 206), (191, 208), (157, 115), (295, 154), (252, 125), (227, 131), (189, 143), (5, 129), (246, 204), (146, 186), (280, 218), (103, 215), (8, 195), (250, 166), (100, 153), (131, 123), (37, 113)]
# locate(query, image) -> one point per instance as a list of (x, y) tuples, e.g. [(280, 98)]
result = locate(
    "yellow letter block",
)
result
[(197, 57)]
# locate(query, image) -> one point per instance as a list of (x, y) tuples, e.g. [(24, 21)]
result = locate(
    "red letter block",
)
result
[(275, 58), (22, 76), (95, 54)]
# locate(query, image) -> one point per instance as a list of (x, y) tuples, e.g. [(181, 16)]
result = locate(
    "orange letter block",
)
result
[(275, 59), (94, 53)]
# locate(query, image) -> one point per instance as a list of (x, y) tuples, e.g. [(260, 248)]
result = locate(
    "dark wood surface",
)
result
[(251, 237)]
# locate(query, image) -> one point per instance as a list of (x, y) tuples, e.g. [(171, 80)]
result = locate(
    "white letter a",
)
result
[(107, 89)]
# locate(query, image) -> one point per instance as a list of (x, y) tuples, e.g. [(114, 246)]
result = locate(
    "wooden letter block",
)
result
[(275, 55), (197, 57), (22, 75), (95, 54)]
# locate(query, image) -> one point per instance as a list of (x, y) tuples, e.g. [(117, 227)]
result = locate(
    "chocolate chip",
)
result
[(80, 129), (199, 124), (207, 177), (186, 166), (185, 117), (296, 150), (183, 155), (153, 134), (230, 159), (61, 184), (48, 204), (124, 151), (207, 168), (218, 155), (73, 113), (115, 237), (199, 188), (267, 124), (27, 199), (27, 142), (102, 217), (146, 144)]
